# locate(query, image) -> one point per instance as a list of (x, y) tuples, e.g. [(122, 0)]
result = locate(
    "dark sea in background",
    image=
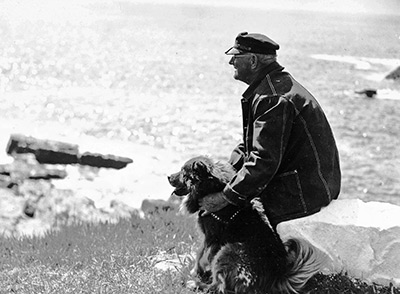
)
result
[(156, 74)]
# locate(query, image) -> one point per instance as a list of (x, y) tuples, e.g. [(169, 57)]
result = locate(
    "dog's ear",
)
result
[(201, 169)]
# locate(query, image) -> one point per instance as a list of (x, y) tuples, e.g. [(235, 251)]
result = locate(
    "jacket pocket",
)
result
[(284, 196)]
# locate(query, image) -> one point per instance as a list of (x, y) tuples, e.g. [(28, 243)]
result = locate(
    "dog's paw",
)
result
[(192, 285)]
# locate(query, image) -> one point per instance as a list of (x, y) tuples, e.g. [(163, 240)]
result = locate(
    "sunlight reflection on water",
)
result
[(133, 74)]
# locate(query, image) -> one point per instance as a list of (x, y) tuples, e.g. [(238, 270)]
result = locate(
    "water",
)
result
[(157, 75)]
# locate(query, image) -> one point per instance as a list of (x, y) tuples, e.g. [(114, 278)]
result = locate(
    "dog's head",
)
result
[(199, 177)]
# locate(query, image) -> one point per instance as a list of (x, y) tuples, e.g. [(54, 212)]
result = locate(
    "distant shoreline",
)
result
[(42, 9), (389, 7)]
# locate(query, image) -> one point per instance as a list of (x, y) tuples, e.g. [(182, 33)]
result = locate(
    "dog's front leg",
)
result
[(196, 268), (201, 271), (202, 268)]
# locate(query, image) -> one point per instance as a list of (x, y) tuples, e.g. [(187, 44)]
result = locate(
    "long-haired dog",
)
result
[(241, 252)]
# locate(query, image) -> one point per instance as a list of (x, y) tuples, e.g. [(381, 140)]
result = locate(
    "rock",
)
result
[(120, 210), (10, 212), (30, 208), (6, 182), (56, 152), (31, 169), (68, 207), (394, 74), (45, 151), (37, 206), (99, 160), (361, 239), (152, 206), (370, 93)]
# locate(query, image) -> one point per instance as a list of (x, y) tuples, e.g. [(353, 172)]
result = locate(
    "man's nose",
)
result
[(231, 60)]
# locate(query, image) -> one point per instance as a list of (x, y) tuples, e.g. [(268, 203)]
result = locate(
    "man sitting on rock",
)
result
[(288, 156)]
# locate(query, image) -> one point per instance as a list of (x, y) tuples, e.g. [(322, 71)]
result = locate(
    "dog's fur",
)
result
[(241, 252)]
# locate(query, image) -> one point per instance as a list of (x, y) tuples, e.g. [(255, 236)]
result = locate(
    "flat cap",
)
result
[(253, 43)]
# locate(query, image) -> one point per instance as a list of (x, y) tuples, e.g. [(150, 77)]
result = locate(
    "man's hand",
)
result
[(213, 202)]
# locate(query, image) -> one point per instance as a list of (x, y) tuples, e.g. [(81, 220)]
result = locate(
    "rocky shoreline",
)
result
[(36, 197)]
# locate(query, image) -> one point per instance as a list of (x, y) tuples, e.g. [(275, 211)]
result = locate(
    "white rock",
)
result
[(360, 238)]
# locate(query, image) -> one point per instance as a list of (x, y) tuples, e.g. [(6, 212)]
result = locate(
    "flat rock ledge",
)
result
[(56, 152), (359, 238)]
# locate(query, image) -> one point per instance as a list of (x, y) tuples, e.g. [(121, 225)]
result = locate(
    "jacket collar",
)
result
[(268, 69)]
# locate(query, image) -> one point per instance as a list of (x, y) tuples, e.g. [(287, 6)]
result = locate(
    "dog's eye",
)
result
[(188, 177)]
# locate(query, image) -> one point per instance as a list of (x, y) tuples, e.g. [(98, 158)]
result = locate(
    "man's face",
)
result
[(241, 64)]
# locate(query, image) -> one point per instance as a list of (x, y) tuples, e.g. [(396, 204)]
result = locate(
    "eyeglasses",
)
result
[(239, 55), (235, 56)]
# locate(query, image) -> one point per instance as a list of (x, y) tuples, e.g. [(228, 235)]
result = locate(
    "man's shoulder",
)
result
[(281, 87), (282, 84), (275, 84)]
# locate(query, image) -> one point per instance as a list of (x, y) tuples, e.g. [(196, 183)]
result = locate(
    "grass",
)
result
[(97, 258), (122, 258)]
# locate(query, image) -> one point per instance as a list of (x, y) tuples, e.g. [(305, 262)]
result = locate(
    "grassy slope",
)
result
[(119, 258), (102, 258)]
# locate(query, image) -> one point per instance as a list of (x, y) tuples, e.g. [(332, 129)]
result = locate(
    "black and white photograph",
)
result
[(200, 146)]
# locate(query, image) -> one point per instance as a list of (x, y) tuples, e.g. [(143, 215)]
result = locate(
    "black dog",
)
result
[(241, 252)]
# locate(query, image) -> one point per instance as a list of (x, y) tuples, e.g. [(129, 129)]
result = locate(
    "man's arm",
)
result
[(237, 157), (216, 201), (271, 129)]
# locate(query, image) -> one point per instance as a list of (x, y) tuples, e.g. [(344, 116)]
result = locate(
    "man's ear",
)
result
[(253, 61)]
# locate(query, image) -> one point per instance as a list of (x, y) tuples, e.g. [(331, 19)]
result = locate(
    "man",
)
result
[(288, 156)]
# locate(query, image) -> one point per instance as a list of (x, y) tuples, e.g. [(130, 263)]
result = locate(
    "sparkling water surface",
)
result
[(156, 74)]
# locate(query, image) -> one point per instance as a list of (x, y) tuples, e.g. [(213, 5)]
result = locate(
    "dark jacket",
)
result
[(288, 156)]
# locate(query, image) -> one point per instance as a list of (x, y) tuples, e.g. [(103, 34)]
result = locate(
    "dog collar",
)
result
[(224, 221)]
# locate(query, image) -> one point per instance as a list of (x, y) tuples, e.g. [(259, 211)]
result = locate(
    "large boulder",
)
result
[(359, 238), (57, 152), (45, 151)]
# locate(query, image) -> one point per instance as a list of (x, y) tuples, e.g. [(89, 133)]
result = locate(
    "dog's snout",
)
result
[(176, 181), (173, 179)]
